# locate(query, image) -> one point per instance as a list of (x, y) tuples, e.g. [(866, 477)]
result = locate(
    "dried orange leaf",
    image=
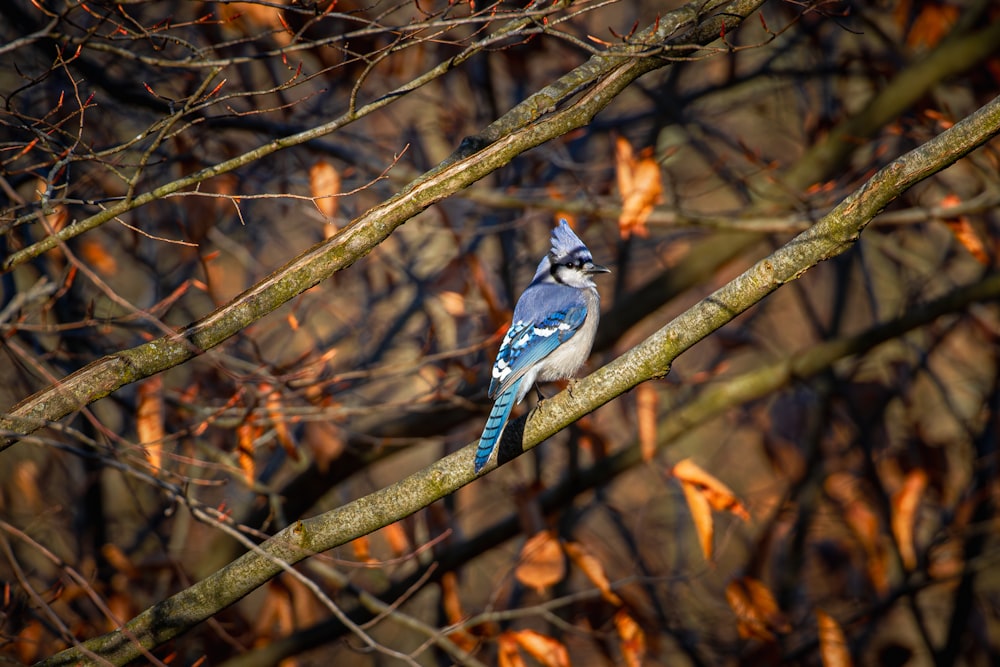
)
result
[(246, 434), (967, 236), (542, 564), (463, 639), (97, 256), (645, 414), (55, 217), (546, 650), (701, 515), (591, 566), (932, 23), (508, 655), (863, 522), (640, 187), (27, 484), (963, 230), (624, 165), (324, 185), (362, 549), (632, 639), (757, 612), (832, 643), (275, 406), (719, 496), (119, 560), (452, 302), (449, 598), (904, 508), (119, 609), (149, 419), (28, 643), (395, 535)]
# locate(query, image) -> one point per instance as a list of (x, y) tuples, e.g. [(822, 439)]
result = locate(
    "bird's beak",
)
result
[(590, 267)]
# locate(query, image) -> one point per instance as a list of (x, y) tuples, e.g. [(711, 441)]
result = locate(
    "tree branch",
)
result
[(832, 235), (606, 76)]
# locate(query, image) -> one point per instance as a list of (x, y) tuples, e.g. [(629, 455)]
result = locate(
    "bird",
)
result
[(552, 332)]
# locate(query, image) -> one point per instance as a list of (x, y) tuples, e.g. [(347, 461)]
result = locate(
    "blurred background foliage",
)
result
[(856, 519)]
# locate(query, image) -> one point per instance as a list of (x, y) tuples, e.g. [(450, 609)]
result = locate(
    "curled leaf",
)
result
[(149, 419), (632, 640), (964, 232), (546, 650), (591, 566), (832, 643), (508, 655), (640, 187), (701, 515), (645, 412), (757, 612), (324, 185), (542, 563), (905, 503), (719, 496)]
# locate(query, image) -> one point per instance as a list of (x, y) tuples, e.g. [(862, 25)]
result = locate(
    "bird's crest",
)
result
[(565, 243)]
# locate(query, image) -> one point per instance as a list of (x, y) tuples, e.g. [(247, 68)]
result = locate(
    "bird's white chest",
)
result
[(567, 359)]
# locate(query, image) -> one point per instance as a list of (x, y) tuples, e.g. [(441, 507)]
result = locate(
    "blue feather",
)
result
[(495, 425)]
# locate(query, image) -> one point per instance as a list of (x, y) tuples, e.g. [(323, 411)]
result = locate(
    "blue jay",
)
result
[(553, 330)]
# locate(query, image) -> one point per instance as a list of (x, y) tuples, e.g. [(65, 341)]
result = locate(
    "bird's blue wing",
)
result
[(531, 339)]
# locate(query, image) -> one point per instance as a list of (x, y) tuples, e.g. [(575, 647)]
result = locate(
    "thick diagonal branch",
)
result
[(604, 77), (832, 235)]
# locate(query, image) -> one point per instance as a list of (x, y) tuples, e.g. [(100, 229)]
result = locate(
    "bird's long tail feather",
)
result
[(495, 425)]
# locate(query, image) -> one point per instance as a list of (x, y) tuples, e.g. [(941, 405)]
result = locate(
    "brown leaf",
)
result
[(632, 640), (55, 217), (508, 655), (119, 560), (453, 612), (27, 485), (591, 566), (757, 613), (964, 232), (452, 302), (832, 643), (362, 548), (863, 522), (395, 535), (120, 609), (542, 564), (246, 435), (450, 601), (645, 416), (719, 496), (28, 642), (97, 256), (701, 515), (275, 405), (624, 165), (640, 187), (905, 503), (324, 185), (931, 24), (546, 650)]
